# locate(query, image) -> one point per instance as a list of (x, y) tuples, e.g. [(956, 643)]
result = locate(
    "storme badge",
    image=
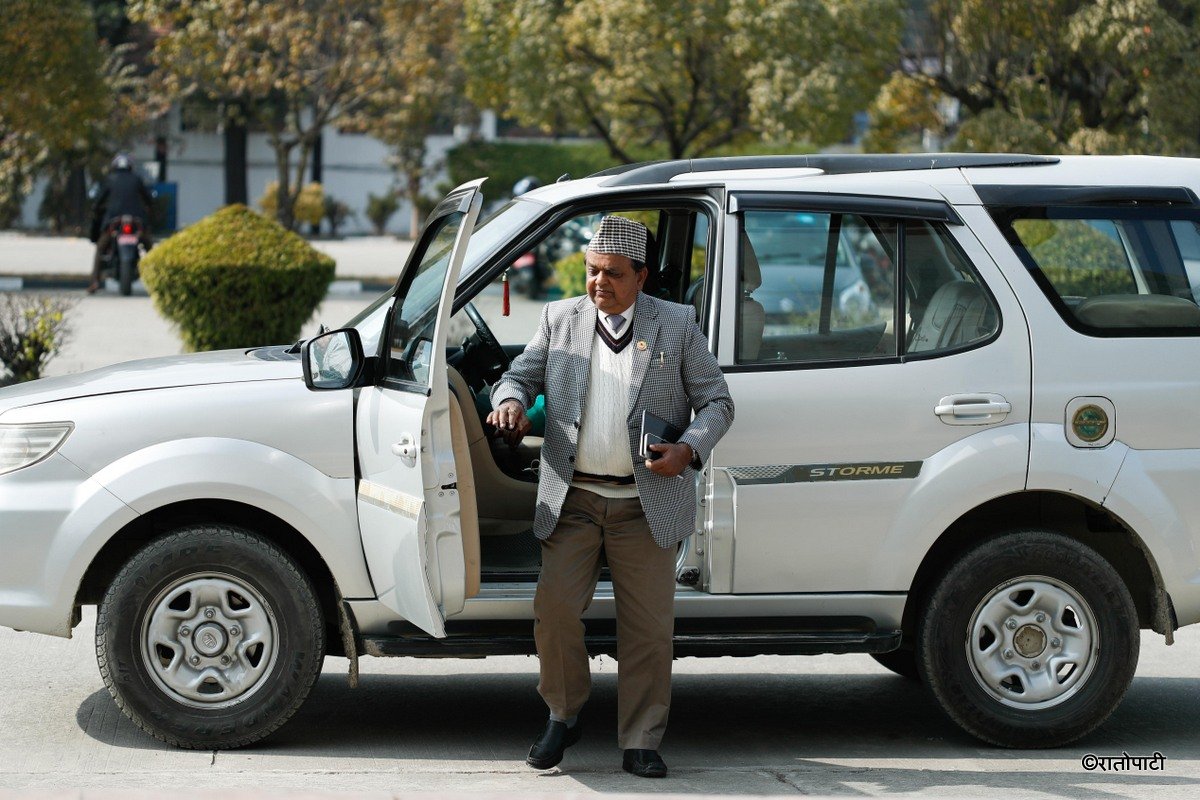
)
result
[(811, 473)]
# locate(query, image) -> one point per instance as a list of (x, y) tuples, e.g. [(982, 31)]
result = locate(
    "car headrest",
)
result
[(751, 272), (1138, 311)]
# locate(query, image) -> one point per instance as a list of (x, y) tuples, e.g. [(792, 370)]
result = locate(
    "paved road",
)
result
[(829, 725), (107, 329)]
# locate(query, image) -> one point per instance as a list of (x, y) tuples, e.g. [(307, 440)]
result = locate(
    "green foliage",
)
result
[(336, 213), (51, 83), (236, 279), (505, 163), (1102, 76), (380, 209), (569, 275), (687, 78), (52, 91), (308, 207), (1078, 259), (293, 67), (1089, 282), (33, 329)]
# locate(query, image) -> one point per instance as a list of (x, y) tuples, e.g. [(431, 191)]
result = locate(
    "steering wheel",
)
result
[(500, 358)]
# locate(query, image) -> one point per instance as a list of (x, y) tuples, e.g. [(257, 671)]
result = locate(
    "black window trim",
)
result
[(1004, 216), (1053, 195), (859, 204), (699, 197), (899, 291), (451, 204)]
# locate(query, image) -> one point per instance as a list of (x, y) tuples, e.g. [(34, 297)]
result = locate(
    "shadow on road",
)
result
[(787, 726)]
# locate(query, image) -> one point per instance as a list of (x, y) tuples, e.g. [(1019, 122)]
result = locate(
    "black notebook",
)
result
[(656, 430)]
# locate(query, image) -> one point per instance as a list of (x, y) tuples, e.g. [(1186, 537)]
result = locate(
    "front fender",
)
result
[(54, 518), (321, 508)]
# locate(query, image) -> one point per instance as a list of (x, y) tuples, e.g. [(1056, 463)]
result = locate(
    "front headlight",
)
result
[(24, 445)]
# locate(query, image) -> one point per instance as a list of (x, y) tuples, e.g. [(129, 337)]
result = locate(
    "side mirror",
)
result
[(332, 360)]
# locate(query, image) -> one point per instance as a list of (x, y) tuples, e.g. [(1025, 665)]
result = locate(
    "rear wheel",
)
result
[(1029, 640), (125, 275), (210, 638)]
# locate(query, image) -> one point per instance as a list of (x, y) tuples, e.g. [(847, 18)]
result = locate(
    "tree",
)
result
[(296, 66), (422, 89), (686, 78), (51, 90), (1084, 76)]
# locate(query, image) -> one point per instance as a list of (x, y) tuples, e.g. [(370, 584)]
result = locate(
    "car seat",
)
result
[(753, 315), (959, 312), (506, 504)]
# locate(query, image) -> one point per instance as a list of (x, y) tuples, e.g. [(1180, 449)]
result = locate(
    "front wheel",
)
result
[(210, 638), (1030, 640)]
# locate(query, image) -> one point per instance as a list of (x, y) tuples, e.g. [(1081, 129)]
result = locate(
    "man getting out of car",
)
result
[(600, 361)]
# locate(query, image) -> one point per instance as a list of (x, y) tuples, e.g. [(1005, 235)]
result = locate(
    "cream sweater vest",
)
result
[(604, 432)]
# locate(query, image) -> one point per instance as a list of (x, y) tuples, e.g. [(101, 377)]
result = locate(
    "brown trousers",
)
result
[(643, 576)]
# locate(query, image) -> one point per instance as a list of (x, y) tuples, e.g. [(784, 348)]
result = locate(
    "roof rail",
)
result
[(649, 172)]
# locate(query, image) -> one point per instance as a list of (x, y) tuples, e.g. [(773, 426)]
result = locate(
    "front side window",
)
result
[(410, 343), (1118, 271), (823, 288)]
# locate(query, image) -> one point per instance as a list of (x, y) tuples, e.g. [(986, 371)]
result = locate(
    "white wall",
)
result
[(354, 166)]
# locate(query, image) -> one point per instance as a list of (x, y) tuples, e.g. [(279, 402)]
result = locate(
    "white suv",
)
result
[(962, 446)]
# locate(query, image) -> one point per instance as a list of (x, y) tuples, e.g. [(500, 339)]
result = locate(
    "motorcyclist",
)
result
[(123, 192)]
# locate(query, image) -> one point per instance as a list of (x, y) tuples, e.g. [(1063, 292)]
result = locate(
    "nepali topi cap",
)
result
[(622, 237)]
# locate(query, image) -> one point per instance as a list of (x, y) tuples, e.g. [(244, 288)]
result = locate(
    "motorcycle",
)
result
[(120, 258)]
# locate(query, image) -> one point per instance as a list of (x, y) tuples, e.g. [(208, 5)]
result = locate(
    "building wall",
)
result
[(354, 165)]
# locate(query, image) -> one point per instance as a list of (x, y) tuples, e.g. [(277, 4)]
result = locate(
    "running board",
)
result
[(805, 643)]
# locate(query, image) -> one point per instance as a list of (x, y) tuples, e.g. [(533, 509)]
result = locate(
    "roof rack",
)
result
[(648, 172)]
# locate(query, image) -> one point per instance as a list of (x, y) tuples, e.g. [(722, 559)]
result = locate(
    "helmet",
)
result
[(122, 162), (526, 184)]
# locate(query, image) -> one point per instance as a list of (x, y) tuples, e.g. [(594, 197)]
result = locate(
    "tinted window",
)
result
[(410, 343), (821, 287), (1112, 271), (947, 307)]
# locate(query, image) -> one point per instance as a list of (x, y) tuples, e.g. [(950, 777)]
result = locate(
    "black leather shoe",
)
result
[(547, 751), (644, 764)]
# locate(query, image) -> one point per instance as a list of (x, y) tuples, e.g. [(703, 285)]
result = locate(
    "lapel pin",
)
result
[(641, 345)]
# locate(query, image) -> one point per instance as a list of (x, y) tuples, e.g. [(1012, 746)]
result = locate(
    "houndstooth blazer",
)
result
[(673, 375)]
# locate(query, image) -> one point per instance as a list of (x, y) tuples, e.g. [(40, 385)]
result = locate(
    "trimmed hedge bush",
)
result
[(505, 163), (236, 279)]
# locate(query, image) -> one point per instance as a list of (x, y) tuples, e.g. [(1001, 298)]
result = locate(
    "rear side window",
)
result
[(825, 288), (1113, 271)]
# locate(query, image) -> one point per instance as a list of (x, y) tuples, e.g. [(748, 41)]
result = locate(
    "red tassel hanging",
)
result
[(504, 280)]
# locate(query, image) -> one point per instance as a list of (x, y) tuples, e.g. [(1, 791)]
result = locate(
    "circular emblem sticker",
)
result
[(1090, 423)]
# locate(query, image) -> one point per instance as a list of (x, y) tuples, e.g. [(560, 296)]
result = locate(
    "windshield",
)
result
[(489, 235)]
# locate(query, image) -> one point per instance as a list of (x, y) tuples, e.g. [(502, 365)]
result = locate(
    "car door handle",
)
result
[(406, 447), (972, 409)]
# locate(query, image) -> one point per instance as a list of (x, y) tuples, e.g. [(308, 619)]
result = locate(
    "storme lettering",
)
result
[(855, 471)]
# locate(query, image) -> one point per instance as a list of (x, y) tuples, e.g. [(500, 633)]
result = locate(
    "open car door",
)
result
[(408, 503)]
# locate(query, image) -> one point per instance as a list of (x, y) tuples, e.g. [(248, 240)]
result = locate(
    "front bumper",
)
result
[(53, 520)]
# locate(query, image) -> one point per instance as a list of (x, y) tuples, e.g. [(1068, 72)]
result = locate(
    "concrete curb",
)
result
[(59, 283)]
